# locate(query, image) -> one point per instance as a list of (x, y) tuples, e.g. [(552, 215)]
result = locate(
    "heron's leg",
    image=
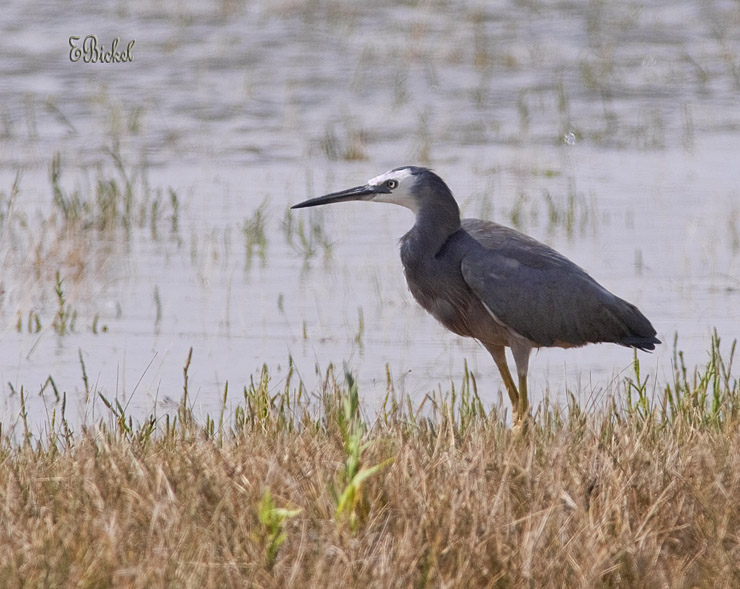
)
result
[(521, 350), (523, 400), (499, 357)]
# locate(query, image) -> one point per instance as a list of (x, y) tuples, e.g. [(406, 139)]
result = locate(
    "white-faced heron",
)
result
[(497, 285)]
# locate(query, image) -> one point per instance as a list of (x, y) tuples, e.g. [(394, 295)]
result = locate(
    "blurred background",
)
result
[(144, 205)]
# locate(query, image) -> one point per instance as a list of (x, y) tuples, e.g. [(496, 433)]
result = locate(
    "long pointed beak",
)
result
[(356, 193)]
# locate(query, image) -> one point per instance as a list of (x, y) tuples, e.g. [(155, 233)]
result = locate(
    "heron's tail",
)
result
[(641, 333), (646, 344)]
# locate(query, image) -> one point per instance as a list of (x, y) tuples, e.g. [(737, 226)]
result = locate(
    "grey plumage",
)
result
[(487, 281)]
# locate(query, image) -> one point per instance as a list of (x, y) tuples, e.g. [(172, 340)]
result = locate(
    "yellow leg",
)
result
[(519, 399), (523, 400), (499, 357), (520, 348)]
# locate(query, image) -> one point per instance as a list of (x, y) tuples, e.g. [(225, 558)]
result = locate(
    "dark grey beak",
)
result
[(356, 193)]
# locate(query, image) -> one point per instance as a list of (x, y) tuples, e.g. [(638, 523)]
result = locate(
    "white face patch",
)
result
[(398, 175), (401, 194)]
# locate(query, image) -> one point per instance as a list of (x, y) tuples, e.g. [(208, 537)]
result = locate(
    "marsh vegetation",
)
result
[(303, 489)]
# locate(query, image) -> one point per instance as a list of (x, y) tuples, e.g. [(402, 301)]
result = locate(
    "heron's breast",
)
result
[(446, 299)]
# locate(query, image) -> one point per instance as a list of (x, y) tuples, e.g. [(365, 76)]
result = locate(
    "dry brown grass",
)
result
[(631, 497)]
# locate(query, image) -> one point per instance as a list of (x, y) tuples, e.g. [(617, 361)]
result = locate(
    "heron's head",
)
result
[(400, 186)]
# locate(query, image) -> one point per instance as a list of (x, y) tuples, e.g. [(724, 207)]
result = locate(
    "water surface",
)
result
[(609, 132)]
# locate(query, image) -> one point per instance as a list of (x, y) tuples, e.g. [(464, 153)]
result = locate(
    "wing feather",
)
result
[(543, 296)]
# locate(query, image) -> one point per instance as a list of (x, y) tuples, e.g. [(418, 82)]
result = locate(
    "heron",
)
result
[(490, 282)]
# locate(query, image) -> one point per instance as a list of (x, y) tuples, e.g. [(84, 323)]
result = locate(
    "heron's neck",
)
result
[(434, 225)]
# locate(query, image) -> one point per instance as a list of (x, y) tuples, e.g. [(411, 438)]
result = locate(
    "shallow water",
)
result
[(609, 132)]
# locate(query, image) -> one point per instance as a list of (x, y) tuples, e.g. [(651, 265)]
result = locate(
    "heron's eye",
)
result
[(391, 184)]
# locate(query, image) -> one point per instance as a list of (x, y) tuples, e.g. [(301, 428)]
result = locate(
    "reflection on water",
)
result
[(608, 131)]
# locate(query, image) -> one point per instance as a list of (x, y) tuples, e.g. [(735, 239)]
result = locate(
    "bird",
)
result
[(490, 282)]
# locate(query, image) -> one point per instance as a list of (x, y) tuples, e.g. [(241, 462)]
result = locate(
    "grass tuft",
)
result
[(302, 490)]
